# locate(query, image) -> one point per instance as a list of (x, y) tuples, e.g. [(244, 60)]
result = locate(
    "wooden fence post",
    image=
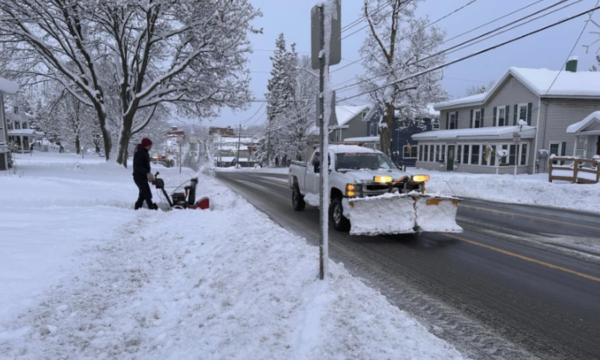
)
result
[(550, 170), (575, 170)]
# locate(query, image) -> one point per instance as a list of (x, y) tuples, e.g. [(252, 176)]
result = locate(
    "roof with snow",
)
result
[(577, 127), (8, 87), (581, 84), (350, 149), (485, 133), (363, 139), (346, 113)]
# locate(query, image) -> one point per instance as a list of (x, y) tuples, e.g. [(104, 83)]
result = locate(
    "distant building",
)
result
[(21, 135), (223, 131)]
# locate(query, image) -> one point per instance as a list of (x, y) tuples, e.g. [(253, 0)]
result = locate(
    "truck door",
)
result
[(311, 180)]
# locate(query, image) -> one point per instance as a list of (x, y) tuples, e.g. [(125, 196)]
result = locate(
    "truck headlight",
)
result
[(352, 190), (420, 178), (382, 179)]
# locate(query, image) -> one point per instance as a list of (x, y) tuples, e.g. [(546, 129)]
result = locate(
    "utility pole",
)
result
[(237, 161)]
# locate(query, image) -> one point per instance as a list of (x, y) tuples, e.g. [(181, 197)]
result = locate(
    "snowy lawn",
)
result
[(84, 276), (526, 189)]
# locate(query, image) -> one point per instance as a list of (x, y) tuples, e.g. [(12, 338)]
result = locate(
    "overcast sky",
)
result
[(548, 49)]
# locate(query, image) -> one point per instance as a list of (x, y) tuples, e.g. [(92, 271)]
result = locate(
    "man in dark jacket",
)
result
[(142, 174)]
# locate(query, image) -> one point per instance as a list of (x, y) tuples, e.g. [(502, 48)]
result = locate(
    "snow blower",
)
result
[(182, 200)]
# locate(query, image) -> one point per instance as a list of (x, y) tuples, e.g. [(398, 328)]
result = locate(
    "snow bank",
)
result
[(527, 189), (221, 284), (254, 170)]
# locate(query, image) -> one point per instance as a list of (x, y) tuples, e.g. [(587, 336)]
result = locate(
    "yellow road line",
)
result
[(589, 277), (529, 216)]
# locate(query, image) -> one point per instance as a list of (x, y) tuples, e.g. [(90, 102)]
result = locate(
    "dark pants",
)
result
[(145, 193)]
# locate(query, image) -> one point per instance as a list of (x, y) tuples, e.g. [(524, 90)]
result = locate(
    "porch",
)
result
[(587, 137)]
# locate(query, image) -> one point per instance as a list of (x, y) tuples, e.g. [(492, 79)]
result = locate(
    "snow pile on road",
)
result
[(527, 189), (88, 277)]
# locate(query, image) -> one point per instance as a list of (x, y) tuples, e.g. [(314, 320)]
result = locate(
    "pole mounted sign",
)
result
[(516, 138), (335, 43)]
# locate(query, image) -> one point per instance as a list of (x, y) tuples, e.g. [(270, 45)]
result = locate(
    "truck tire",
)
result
[(336, 215), (297, 199)]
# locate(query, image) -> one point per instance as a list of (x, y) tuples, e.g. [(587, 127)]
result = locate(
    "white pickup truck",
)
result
[(369, 195)]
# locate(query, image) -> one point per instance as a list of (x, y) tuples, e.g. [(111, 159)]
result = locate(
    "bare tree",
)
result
[(480, 89), (398, 45), (188, 53)]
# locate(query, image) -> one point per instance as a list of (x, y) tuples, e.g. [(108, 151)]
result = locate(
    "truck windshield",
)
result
[(358, 161)]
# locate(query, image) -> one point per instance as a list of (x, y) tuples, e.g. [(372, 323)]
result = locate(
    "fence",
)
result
[(574, 170)]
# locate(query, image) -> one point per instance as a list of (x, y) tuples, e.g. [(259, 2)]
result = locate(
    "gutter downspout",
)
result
[(537, 131)]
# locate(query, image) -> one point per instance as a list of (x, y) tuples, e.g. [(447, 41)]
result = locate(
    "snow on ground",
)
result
[(90, 278), (527, 189)]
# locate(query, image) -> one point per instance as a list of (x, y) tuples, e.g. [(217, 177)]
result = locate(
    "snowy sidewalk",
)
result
[(226, 283)]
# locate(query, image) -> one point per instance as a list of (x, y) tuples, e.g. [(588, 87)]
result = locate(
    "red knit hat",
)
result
[(146, 142)]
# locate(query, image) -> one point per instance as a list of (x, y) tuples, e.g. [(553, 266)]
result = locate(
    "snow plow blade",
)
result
[(392, 214)]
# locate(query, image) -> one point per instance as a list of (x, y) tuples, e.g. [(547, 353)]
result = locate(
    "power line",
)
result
[(386, 14), (474, 54), (473, 41), (257, 111), (453, 38), (573, 49)]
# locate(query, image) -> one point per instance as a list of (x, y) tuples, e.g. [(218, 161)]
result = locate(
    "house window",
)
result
[(420, 152), (523, 154), (458, 158), (521, 113), (465, 154), (512, 155), (493, 156), (437, 153), (9, 126), (475, 154), (555, 149), (373, 130), (477, 120), (24, 125), (501, 116), (17, 125), (431, 153), (443, 153), (453, 122), (409, 153), (16, 109), (425, 153)]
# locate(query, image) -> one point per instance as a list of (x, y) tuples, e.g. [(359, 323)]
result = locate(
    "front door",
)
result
[(450, 159)]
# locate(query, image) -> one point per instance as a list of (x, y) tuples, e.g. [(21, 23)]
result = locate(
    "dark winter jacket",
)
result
[(141, 162)]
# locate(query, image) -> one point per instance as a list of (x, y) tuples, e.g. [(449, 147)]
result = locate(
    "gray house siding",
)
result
[(558, 114), (511, 93), (356, 128)]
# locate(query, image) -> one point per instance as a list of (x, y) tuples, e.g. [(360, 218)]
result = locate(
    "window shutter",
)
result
[(447, 120), (507, 115), (529, 110), (516, 115), (563, 150), (495, 114), (471, 119), (456, 120), (482, 117)]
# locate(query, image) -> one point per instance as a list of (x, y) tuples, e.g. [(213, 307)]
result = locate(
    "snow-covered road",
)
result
[(90, 278)]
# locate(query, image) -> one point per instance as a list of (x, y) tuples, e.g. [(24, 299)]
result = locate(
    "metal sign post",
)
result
[(325, 52)]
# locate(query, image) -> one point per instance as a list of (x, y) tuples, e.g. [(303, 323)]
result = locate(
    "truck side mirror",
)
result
[(317, 165)]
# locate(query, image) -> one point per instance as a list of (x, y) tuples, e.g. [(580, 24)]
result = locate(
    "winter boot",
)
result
[(153, 206), (138, 205)]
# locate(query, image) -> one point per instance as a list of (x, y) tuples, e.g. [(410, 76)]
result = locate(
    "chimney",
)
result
[(572, 64)]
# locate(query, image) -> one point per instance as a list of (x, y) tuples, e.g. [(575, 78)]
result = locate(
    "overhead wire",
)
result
[(473, 41), (573, 48), (475, 53)]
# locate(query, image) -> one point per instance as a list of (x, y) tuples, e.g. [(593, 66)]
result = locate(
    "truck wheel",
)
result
[(336, 216), (297, 199)]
